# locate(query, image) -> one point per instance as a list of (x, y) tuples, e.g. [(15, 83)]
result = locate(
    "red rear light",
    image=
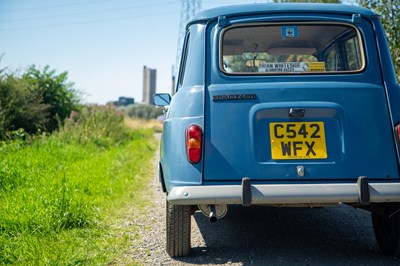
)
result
[(193, 143)]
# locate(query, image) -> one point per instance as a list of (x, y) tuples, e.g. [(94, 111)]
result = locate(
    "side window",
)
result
[(343, 55), (193, 57), (184, 59)]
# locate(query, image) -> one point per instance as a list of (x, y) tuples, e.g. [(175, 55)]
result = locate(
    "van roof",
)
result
[(249, 9)]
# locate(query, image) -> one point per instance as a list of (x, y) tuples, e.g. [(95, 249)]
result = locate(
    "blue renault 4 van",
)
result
[(282, 105)]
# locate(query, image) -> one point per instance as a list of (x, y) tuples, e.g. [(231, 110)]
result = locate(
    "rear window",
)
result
[(298, 48)]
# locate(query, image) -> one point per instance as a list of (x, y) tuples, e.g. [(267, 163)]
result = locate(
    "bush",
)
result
[(55, 91), (102, 125), (144, 111), (20, 107), (35, 101)]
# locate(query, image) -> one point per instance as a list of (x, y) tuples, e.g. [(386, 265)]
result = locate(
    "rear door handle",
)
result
[(296, 112)]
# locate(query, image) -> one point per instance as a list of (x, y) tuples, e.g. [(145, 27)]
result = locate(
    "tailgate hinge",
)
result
[(356, 19), (222, 21)]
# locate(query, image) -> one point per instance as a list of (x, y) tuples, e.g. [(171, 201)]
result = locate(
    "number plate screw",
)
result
[(300, 171)]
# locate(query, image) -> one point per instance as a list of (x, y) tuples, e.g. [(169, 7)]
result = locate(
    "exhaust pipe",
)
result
[(212, 214)]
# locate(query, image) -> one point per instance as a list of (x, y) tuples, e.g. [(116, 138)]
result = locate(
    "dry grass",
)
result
[(135, 123)]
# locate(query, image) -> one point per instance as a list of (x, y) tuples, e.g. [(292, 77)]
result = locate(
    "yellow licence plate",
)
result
[(298, 140)]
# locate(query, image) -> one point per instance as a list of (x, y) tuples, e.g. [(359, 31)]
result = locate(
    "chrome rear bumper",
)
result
[(286, 194)]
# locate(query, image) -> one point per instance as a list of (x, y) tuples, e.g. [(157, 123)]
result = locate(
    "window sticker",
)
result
[(292, 67), (289, 32)]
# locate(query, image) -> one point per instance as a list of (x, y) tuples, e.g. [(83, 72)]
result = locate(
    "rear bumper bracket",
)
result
[(363, 190), (246, 192)]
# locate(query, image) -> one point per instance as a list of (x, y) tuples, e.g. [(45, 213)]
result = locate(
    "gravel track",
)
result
[(337, 235)]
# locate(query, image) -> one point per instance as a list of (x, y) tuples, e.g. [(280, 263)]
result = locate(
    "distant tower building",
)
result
[(149, 84)]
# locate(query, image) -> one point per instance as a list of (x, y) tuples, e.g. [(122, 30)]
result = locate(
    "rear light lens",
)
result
[(194, 135)]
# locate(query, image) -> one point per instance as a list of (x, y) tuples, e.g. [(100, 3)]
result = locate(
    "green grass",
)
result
[(61, 200)]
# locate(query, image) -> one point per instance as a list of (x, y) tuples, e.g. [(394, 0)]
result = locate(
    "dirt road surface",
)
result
[(337, 235)]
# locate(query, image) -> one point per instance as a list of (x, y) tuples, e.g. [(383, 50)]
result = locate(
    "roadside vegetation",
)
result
[(142, 111), (152, 124), (66, 181)]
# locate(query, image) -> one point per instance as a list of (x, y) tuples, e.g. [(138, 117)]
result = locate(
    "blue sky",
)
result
[(103, 44)]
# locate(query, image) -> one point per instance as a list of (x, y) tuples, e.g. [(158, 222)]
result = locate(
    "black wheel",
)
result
[(178, 230), (386, 223)]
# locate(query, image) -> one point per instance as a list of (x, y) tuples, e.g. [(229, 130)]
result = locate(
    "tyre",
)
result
[(386, 223), (178, 230)]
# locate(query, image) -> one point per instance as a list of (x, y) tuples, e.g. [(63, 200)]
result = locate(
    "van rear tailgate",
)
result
[(258, 131)]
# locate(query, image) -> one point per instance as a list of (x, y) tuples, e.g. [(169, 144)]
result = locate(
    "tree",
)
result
[(55, 91), (389, 10)]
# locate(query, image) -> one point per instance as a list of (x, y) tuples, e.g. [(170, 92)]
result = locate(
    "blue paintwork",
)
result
[(359, 110), (257, 9)]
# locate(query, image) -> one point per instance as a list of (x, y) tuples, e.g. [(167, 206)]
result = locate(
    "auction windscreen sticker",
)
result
[(292, 67)]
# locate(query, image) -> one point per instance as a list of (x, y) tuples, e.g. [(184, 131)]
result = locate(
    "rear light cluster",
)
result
[(193, 143)]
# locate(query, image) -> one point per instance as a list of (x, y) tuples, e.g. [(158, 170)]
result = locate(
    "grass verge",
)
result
[(61, 198)]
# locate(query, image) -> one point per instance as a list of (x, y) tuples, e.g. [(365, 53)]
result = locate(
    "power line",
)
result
[(80, 3), (87, 13), (88, 22)]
